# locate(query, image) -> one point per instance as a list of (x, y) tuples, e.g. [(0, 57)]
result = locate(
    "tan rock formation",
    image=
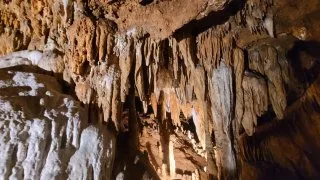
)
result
[(176, 83), (255, 94)]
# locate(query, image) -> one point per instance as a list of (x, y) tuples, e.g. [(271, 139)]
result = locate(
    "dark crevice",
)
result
[(191, 126), (63, 142), (138, 105), (268, 116), (93, 113), (13, 159), (46, 142), (145, 2), (294, 55), (144, 70), (196, 27)]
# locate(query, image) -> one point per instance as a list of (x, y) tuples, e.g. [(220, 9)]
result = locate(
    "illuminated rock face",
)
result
[(44, 133), (162, 89)]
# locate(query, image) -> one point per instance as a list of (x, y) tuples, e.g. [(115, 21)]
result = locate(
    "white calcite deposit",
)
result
[(44, 135)]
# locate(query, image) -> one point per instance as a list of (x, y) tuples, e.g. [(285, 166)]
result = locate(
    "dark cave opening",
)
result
[(188, 125)]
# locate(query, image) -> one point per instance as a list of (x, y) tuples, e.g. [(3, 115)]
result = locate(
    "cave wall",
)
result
[(207, 89)]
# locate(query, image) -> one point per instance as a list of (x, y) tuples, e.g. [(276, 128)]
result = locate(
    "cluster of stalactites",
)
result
[(25, 25), (213, 47), (261, 84), (258, 16), (179, 68)]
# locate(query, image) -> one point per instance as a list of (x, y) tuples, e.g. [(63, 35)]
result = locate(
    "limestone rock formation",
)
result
[(44, 133), (159, 89), (255, 100)]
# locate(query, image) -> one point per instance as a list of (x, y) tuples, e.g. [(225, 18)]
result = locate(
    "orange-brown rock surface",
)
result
[(206, 89)]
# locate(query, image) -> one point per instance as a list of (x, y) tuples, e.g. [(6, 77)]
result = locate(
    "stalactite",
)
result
[(104, 37), (106, 84), (187, 53), (199, 119), (238, 58), (272, 70), (256, 100), (139, 70), (210, 154), (198, 80), (255, 61), (268, 24), (80, 36), (175, 50), (221, 96), (174, 108), (227, 49), (124, 50), (192, 75)]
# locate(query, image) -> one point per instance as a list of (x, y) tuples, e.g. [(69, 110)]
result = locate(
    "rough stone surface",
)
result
[(44, 133), (165, 89)]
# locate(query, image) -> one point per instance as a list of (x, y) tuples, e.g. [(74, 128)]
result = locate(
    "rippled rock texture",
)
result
[(45, 134)]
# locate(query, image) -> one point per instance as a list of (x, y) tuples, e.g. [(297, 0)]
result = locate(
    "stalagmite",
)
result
[(171, 158)]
